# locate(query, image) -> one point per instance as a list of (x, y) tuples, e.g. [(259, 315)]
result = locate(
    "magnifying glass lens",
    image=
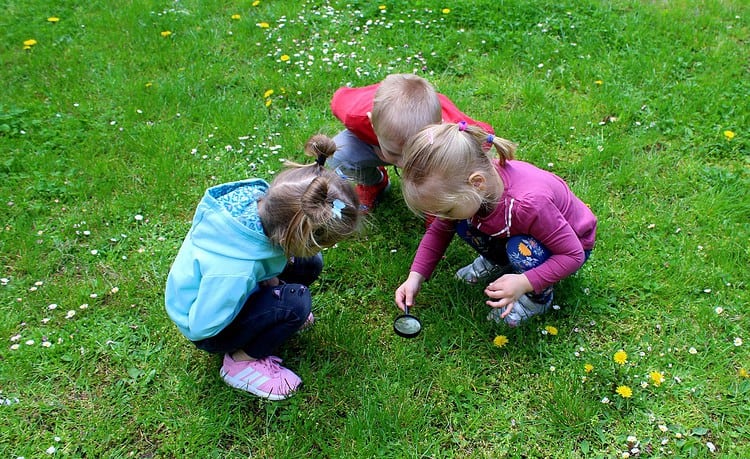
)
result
[(407, 326)]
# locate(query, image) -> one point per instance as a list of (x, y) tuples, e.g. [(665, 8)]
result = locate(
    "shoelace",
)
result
[(272, 364)]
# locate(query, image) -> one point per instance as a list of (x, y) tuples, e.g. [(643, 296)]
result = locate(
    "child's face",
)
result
[(440, 208), (389, 149), (389, 155)]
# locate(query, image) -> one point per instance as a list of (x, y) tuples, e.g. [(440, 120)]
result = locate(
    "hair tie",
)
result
[(336, 207), (462, 126), (490, 139), (321, 160)]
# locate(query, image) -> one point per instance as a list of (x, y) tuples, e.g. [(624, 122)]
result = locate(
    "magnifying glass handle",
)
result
[(406, 309)]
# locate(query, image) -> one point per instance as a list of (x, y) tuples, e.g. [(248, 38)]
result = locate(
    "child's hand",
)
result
[(406, 293), (507, 289), (272, 282)]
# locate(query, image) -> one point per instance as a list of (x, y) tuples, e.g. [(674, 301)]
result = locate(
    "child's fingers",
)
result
[(403, 299), (399, 300), (508, 308)]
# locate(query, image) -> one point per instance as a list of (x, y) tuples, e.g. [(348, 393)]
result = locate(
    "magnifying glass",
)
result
[(406, 325)]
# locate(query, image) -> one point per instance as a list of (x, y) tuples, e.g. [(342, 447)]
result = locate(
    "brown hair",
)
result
[(403, 104), (447, 154), (309, 207)]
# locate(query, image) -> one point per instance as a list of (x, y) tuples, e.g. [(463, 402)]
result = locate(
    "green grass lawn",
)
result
[(116, 116)]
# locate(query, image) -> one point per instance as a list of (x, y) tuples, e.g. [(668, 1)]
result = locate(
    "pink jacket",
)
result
[(535, 203)]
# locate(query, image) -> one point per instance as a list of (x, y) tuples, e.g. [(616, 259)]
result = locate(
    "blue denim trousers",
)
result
[(521, 253), (355, 160), (270, 315)]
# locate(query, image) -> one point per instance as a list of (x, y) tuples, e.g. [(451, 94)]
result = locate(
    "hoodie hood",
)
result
[(219, 226)]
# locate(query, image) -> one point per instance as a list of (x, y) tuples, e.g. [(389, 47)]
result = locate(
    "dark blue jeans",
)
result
[(270, 315)]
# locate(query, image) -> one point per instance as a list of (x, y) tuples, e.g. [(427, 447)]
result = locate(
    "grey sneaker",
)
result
[(481, 268), (523, 309)]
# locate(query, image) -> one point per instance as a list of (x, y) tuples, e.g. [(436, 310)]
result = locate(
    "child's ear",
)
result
[(478, 180)]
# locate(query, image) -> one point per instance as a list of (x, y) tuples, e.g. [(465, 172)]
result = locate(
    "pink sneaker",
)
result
[(308, 322), (263, 377)]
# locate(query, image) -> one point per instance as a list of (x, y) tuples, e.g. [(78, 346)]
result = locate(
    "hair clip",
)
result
[(490, 139), (336, 207), (462, 125)]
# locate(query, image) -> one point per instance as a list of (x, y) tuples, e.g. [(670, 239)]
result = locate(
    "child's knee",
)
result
[(297, 299), (525, 252), (303, 270), (314, 265)]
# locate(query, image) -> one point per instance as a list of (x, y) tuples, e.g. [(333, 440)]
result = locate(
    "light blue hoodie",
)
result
[(223, 257)]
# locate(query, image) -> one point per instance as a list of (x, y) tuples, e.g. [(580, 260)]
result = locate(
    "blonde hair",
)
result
[(445, 156), (403, 104), (309, 207)]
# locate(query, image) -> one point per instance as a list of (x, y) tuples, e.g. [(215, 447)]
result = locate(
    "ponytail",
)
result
[(309, 207), (505, 148), (320, 146)]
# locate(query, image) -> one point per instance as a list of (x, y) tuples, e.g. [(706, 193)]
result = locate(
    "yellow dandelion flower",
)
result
[(729, 134), (284, 57), (53, 19), (263, 25), (149, 84), (624, 391), (268, 93), (588, 368), (742, 373), (598, 82), (656, 377), (268, 102), (381, 7), (166, 33), (621, 357), (31, 42), (551, 330), (446, 10), (500, 341), (236, 16), (256, 3), (524, 249)]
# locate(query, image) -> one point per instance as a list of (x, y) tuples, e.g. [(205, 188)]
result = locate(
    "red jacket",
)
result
[(351, 105)]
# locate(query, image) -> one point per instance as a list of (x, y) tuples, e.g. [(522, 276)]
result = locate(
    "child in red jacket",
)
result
[(378, 120)]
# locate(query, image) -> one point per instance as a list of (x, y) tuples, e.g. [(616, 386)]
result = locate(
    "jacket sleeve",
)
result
[(204, 309), (350, 106), (451, 114), (432, 247), (218, 302), (546, 224)]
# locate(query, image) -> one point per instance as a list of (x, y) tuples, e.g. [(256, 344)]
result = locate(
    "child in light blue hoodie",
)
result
[(239, 284)]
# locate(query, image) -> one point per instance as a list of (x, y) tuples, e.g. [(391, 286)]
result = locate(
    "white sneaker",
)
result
[(523, 309), (481, 268)]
